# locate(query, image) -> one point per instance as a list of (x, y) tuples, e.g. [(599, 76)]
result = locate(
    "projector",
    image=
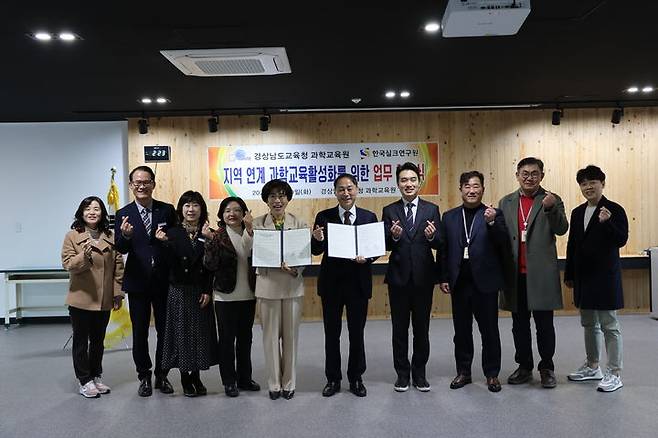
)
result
[(476, 18)]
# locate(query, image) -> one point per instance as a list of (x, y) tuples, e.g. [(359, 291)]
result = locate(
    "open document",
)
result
[(273, 247), (349, 241)]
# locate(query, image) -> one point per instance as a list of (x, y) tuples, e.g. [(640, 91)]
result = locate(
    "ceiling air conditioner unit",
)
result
[(476, 18), (259, 61)]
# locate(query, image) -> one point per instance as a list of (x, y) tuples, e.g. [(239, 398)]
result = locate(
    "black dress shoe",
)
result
[(330, 389), (548, 379), (274, 395), (162, 383), (421, 384), (231, 390), (401, 384), (199, 388), (493, 384), (521, 375), (288, 394), (186, 383), (357, 388), (249, 386), (460, 381), (145, 388)]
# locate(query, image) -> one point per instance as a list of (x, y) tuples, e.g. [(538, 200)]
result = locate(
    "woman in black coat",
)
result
[(189, 343)]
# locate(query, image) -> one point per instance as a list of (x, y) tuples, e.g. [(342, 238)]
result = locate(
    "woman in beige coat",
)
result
[(95, 271), (280, 293)]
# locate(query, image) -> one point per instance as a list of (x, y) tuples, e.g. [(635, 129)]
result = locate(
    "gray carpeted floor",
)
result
[(38, 393)]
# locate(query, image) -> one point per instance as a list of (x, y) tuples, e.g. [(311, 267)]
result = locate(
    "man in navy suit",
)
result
[(411, 226), (599, 227), (472, 242), (145, 279), (342, 284)]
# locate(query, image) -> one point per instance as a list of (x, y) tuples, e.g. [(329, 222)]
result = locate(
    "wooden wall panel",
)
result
[(491, 141)]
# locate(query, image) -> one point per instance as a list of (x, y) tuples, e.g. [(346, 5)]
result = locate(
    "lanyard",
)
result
[(467, 232), (523, 216)]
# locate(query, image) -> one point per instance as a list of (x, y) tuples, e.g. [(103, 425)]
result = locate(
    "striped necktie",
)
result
[(348, 221), (146, 218), (410, 217)]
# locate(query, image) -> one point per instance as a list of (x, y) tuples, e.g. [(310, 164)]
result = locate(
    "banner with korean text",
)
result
[(310, 169)]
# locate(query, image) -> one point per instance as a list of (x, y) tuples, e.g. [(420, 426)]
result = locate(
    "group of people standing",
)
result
[(178, 265)]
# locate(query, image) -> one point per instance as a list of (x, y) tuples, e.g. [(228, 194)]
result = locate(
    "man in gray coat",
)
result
[(534, 216)]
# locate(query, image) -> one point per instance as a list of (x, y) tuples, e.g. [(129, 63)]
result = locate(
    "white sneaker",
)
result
[(89, 390), (586, 373), (609, 383), (100, 386)]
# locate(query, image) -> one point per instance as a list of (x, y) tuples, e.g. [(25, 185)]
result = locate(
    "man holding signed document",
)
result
[(343, 283)]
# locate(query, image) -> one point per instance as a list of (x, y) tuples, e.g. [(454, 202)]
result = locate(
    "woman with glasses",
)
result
[(227, 256), (96, 272), (280, 293), (189, 343)]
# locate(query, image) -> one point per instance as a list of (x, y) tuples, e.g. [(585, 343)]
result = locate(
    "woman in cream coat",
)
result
[(96, 272), (280, 293)]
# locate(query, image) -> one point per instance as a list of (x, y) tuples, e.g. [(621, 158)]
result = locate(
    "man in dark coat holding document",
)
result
[(343, 283), (473, 237)]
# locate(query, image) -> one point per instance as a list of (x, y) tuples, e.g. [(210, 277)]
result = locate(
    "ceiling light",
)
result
[(143, 126), (556, 116), (67, 36), (647, 89), (264, 122), (633, 90), (617, 114), (43, 36), (405, 94), (162, 100), (432, 27), (356, 100), (390, 94), (146, 100)]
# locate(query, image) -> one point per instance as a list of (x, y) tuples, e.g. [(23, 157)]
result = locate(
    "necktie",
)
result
[(146, 218), (410, 217), (346, 215)]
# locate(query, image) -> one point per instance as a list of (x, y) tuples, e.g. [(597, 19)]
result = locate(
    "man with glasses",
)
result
[(534, 216), (145, 280)]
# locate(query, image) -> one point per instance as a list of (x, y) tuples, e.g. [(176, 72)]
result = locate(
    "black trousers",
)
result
[(413, 303), (140, 304), (356, 306), (468, 302), (88, 335), (523, 337), (235, 320)]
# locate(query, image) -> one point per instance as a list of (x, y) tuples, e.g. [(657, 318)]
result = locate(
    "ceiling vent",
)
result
[(258, 61)]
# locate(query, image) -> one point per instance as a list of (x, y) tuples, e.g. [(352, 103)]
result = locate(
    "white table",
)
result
[(15, 278)]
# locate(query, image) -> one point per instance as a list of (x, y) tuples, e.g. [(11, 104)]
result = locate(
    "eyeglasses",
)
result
[(530, 175), (142, 184)]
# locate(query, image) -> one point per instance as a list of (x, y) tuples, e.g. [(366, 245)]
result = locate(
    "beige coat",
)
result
[(274, 283), (93, 284)]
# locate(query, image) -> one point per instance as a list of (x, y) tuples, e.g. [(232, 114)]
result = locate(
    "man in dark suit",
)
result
[(342, 284), (599, 227), (411, 232), (146, 275), (473, 237)]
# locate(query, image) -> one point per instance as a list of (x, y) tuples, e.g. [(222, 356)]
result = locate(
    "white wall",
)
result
[(46, 169)]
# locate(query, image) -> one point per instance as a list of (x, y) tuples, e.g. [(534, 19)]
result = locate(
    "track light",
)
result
[(213, 123), (617, 114), (143, 125), (557, 115), (265, 122)]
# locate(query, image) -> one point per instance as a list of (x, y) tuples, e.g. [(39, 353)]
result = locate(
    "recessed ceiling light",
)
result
[(432, 27), (162, 100), (633, 90), (67, 36), (647, 89), (146, 100), (43, 36), (405, 94), (390, 94), (356, 100)]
